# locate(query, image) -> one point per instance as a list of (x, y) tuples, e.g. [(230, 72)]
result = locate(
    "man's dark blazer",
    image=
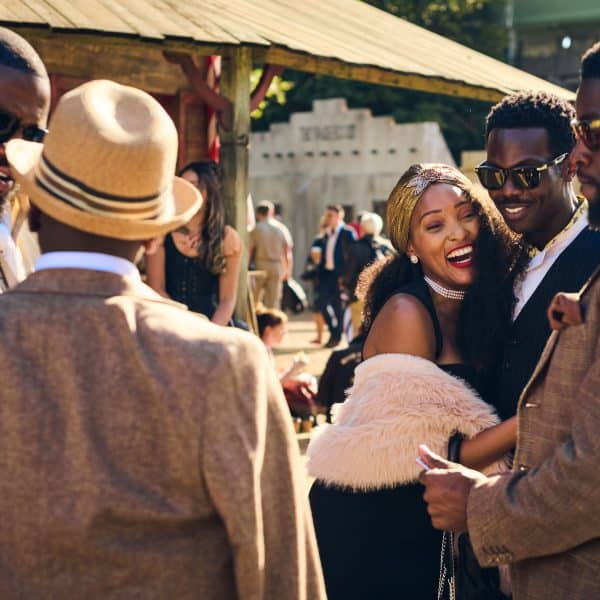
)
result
[(346, 236)]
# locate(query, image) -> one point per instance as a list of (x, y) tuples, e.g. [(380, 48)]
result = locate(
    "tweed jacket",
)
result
[(144, 452), (544, 517)]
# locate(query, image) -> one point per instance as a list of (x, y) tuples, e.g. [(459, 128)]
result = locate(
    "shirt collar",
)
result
[(579, 217), (94, 261)]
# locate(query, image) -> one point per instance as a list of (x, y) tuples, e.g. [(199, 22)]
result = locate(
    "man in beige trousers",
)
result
[(144, 452), (543, 519), (271, 246)]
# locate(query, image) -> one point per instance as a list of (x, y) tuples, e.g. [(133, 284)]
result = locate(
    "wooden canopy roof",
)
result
[(343, 38)]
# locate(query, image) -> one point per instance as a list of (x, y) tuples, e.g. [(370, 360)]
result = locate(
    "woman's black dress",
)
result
[(189, 282), (380, 544)]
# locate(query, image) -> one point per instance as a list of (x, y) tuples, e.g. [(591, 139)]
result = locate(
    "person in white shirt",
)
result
[(24, 105), (528, 173)]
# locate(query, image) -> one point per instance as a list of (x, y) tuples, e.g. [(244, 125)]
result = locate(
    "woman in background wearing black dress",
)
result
[(435, 317), (199, 263)]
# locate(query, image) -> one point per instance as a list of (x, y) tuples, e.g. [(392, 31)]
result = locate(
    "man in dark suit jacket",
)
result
[(334, 250), (528, 173), (542, 518)]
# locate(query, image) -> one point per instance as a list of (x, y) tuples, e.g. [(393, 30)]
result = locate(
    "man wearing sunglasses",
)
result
[(24, 104), (565, 310), (543, 517), (528, 174)]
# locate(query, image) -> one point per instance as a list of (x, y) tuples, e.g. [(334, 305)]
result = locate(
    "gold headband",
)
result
[(407, 192)]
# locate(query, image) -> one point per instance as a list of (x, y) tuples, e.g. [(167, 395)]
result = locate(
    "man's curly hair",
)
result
[(535, 109), (590, 63)]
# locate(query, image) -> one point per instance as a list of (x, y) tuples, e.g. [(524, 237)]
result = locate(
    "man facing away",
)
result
[(144, 452), (271, 246), (543, 517), (24, 105), (528, 174)]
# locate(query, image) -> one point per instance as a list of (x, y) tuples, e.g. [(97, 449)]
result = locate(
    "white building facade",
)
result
[(335, 155)]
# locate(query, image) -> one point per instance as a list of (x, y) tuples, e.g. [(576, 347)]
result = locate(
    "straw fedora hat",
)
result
[(107, 165)]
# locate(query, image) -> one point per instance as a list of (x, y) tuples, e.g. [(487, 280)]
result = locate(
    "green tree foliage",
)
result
[(475, 23)]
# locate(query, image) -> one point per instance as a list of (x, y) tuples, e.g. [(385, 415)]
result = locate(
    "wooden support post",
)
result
[(235, 86)]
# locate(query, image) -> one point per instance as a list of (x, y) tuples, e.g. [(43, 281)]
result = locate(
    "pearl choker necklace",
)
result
[(442, 291)]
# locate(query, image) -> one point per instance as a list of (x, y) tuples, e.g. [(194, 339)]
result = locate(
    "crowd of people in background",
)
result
[(146, 445)]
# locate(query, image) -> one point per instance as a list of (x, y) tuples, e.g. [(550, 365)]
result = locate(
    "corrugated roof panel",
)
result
[(232, 20), (89, 15), (47, 14), (275, 26), (138, 16), (196, 14), (18, 11), (348, 31), (180, 25)]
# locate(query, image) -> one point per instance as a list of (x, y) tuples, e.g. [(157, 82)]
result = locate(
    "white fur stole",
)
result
[(397, 402)]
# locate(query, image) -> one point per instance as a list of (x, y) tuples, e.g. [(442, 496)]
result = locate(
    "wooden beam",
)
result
[(118, 40), (371, 74), (235, 86), (130, 61)]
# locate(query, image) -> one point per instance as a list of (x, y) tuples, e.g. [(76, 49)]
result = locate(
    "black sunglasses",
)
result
[(523, 178), (588, 131), (10, 124)]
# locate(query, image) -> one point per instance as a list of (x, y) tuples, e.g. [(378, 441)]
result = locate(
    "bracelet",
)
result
[(454, 444)]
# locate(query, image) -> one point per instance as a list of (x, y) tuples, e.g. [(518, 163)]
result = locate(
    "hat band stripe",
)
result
[(88, 203), (76, 199), (97, 194), (86, 207)]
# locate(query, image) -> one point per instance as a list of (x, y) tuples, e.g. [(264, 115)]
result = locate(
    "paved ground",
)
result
[(301, 330)]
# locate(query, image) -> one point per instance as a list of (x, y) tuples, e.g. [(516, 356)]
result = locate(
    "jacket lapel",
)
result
[(552, 341), (542, 362)]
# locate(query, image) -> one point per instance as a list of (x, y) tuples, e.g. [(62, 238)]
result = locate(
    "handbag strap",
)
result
[(447, 577)]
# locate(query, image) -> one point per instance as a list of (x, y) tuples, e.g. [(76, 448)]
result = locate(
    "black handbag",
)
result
[(293, 297), (472, 581), (310, 273)]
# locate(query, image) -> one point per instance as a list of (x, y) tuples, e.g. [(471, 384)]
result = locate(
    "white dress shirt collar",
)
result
[(94, 261), (11, 262), (541, 263), (330, 247)]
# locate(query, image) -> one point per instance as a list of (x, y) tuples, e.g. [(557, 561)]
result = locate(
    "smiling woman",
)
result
[(443, 228), (435, 316), (458, 241)]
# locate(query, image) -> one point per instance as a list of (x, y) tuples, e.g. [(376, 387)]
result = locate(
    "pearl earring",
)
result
[(414, 259)]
